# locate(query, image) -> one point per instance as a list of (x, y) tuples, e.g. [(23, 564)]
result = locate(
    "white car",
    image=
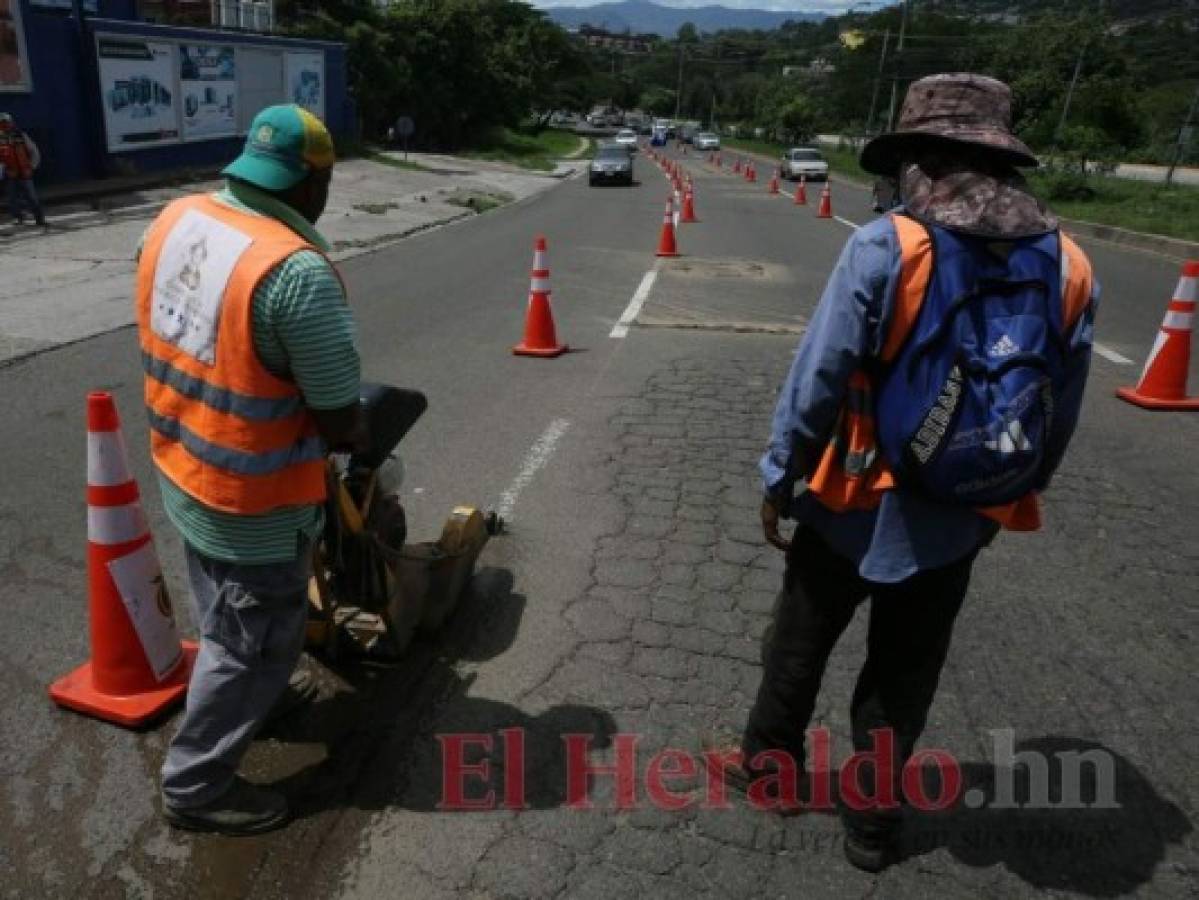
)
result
[(627, 137), (706, 140), (804, 161)]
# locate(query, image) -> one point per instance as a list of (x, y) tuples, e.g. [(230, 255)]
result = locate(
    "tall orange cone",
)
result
[(826, 203), (737, 166), (801, 192), (774, 184), (138, 668), (540, 337), (689, 206), (666, 242), (1163, 383)]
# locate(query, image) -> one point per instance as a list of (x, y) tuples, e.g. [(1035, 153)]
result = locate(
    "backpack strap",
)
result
[(1076, 282), (915, 271)]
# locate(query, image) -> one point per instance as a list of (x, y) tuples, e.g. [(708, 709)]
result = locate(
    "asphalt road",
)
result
[(627, 594)]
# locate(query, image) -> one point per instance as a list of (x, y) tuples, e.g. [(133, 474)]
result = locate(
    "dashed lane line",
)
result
[(629, 316), (535, 459), (1111, 355)]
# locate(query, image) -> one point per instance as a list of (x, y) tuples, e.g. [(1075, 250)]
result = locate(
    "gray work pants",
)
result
[(251, 621)]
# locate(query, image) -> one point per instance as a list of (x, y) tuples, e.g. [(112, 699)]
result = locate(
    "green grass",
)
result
[(525, 149), (1140, 206)]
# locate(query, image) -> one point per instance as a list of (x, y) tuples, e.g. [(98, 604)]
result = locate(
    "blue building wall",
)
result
[(63, 113)]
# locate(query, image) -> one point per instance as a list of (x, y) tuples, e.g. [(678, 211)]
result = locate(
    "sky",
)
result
[(824, 6)]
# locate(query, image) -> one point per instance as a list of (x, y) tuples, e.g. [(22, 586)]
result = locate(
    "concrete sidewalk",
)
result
[(76, 281)]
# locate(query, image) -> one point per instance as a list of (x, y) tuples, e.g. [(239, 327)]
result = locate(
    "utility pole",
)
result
[(678, 96), (712, 114), (878, 80), (1061, 123), (903, 28), (1184, 137)]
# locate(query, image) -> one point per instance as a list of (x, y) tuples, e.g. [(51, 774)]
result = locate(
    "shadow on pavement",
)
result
[(381, 731), (1099, 852)]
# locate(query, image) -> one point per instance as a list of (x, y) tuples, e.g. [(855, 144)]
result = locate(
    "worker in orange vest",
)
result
[(930, 402), (18, 159), (251, 376)]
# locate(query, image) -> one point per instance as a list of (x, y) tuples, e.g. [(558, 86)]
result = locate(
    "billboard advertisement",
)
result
[(305, 81), (208, 88), (137, 90)]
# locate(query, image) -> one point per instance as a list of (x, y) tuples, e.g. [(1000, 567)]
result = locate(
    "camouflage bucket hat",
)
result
[(942, 111)]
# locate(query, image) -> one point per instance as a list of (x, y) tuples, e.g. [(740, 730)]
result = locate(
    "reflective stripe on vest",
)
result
[(852, 472), (224, 429)]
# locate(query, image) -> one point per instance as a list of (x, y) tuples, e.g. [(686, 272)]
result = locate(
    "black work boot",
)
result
[(872, 844), (244, 809)]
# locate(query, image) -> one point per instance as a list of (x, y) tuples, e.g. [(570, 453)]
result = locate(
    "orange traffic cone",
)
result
[(737, 167), (540, 338), (666, 242), (801, 193), (139, 668), (1163, 383), (826, 203), (774, 184), (689, 206), (719, 161)]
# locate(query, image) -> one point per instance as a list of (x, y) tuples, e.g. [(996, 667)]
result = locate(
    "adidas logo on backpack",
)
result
[(1005, 346)]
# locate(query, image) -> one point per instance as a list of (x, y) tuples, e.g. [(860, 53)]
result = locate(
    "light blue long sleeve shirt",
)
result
[(908, 532)]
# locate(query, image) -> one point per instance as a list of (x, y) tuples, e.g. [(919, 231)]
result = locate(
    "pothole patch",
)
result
[(725, 268)]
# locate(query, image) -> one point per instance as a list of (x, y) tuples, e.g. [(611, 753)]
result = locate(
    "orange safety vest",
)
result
[(853, 473), (14, 154), (223, 428)]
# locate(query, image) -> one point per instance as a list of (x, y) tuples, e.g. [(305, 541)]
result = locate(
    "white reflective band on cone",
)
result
[(1188, 290), (1179, 320), (539, 260), (116, 524), (107, 464), (1158, 343), (541, 286)]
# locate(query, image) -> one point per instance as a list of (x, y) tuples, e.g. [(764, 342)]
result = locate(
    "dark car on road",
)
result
[(612, 164)]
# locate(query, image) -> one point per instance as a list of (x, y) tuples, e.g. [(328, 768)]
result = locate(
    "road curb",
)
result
[(1176, 248)]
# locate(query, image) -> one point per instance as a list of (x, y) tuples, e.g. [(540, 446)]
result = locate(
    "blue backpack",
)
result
[(969, 407)]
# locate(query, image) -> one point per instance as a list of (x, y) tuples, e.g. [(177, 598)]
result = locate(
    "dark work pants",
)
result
[(911, 623)]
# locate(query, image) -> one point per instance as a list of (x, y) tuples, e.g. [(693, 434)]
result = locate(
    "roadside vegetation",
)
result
[(1172, 211), (528, 147)]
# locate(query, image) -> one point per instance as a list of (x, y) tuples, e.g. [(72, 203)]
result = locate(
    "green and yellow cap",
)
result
[(284, 144)]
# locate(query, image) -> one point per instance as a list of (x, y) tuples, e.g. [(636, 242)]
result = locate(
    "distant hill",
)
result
[(643, 17)]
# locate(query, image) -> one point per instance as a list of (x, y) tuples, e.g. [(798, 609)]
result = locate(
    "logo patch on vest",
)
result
[(197, 259)]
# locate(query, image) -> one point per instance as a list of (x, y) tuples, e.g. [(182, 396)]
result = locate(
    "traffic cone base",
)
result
[(76, 691), (1145, 402)]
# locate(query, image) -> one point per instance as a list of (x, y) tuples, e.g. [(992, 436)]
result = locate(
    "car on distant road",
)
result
[(706, 140), (804, 161), (627, 137), (612, 164)]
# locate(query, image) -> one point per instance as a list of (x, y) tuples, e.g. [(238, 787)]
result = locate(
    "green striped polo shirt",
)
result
[(303, 330)]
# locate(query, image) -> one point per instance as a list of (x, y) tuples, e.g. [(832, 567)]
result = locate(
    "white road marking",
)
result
[(852, 225), (1111, 355), (629, 316), (539, 454)]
